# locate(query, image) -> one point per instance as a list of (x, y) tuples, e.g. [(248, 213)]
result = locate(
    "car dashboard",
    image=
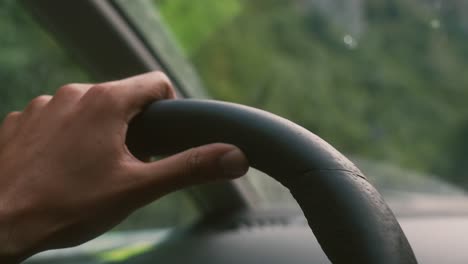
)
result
[(263, 236)]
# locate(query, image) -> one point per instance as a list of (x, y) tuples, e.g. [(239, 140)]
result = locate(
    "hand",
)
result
[(66, 175)]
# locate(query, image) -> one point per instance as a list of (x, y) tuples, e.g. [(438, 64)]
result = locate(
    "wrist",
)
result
[(12, 250)]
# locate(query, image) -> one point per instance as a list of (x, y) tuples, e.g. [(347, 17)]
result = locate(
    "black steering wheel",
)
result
[(345, 212)]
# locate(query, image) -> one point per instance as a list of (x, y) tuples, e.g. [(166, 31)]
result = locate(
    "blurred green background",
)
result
[(31, 63), (384, 79)]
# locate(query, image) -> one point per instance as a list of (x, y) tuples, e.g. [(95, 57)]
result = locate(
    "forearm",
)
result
[(10, 253), (20, 233)]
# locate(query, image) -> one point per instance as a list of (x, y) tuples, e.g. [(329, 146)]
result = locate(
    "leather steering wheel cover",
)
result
[(351, 221)]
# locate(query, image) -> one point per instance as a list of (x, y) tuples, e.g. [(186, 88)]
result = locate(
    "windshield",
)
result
[(382, 81)]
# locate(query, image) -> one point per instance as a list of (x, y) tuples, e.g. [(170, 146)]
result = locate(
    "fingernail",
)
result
[(234, 163)]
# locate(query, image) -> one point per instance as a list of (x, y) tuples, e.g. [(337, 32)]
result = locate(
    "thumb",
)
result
[(195, 166)]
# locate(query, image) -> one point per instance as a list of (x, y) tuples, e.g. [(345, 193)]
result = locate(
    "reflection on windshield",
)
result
[(407, 192)]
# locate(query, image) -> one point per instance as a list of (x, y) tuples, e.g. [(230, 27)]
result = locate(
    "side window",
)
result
[(31, 63)]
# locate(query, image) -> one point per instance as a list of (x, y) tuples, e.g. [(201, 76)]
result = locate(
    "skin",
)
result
[(66, 175)]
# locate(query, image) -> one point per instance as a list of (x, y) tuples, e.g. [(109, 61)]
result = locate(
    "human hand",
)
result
[(66, 175)]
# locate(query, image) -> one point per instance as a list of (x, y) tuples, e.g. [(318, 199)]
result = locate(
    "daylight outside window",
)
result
[(383, 81)]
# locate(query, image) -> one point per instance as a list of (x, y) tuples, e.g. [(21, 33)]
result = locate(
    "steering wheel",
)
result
[(349, 218)]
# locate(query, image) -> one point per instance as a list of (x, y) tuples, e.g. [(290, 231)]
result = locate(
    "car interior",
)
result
[(351, 114)]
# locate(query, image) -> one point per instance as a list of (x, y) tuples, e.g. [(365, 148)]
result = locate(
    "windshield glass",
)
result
[(382, 81)]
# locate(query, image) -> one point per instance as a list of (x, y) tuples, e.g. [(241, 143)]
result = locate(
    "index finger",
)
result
[(136, 92)]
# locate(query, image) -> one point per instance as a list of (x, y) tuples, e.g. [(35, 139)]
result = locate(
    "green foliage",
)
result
[(397, 95), (31, 63), (209, 14)]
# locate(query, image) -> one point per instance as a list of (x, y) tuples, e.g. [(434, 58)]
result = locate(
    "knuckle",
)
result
[(166, 85), (11, 117), (162, 76), (102, 96), (193, 163), (42, 98), (103, 87), (102, 90), (68, 90), (39, 101), (165, 88)]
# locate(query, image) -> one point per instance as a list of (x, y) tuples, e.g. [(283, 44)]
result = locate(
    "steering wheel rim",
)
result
[(348, 216)]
